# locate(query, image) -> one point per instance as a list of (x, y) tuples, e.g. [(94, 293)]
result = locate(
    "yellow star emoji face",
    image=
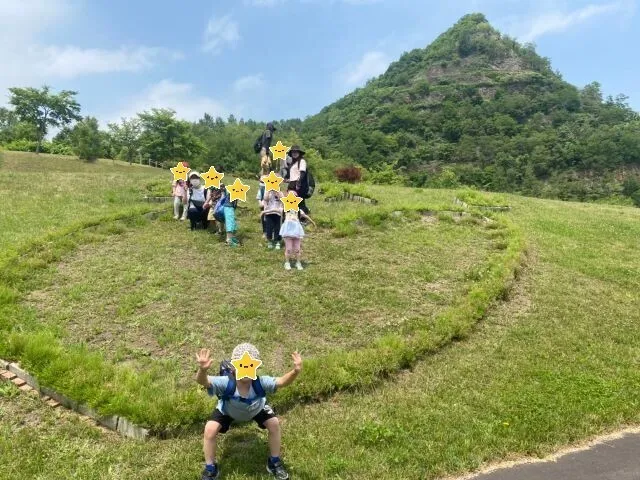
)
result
[(291, 202), (238, 191), (212, 178), (246, 366), (279, 150), (180, 172), (272, 181)]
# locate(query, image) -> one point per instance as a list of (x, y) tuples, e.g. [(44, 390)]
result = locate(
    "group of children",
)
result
[(203, 207)]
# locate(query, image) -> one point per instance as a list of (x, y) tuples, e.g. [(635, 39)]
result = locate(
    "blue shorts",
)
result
[(230, 219)]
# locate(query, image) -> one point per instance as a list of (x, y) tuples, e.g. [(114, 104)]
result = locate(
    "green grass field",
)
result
[(402, 379)]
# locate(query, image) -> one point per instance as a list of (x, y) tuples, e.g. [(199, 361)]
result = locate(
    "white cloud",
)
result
[(220, 32), (371, 65), (181, 97), (556, 21), (250, 82), (26, 61), (70, 61)]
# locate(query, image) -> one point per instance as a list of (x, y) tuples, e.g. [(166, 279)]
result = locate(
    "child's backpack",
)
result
[(218, 210), (258, 145), (227, 370)]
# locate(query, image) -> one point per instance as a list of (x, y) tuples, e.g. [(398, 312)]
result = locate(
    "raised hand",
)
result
[(204, 359), (297, 361)]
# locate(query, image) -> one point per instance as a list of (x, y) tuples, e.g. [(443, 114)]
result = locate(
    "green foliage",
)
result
[(126, 139), (489, 109), (86, 139), (43, 109), (164, 138), (481, 199)]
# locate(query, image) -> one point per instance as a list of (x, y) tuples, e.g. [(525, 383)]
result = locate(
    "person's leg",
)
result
[(230, 224), (303, 207), (277, 221), (192, 216), (184, 209), (274, 435), (209, 443), (177, 201), (288, 251), (297, 249), (268, 223)]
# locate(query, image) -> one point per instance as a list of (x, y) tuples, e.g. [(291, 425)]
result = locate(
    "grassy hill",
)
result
[(470, 365), (491, 113)]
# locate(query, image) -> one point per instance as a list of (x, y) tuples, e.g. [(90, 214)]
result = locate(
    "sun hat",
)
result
[(238, 352)]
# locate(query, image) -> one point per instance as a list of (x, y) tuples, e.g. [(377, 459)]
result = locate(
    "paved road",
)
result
[(613, 460)]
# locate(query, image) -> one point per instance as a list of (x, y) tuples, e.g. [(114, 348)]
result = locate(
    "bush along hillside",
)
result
[(492, 112)]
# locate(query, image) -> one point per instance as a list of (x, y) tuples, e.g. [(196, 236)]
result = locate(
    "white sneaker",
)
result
[(175, 217), (277, 245), (299, 266), (287, 266)]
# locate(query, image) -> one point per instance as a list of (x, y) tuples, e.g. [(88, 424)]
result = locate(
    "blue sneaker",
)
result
[(277, 470), (208, 475)]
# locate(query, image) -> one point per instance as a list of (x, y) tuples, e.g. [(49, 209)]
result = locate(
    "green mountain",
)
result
[(477, 107)]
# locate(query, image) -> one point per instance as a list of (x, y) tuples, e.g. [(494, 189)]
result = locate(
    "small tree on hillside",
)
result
[(165, 138), (126, 139), (44, 109), (86, 139)]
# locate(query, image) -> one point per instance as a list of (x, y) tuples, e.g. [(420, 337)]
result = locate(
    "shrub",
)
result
[(348, 174)]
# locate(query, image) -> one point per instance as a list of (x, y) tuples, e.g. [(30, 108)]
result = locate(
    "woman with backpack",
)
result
[(196, 201), (298, 176)]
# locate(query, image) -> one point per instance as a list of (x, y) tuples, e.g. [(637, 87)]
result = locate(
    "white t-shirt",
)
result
[(296, 168)]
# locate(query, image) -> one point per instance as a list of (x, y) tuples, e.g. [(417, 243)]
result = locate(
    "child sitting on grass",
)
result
[(243, 405)]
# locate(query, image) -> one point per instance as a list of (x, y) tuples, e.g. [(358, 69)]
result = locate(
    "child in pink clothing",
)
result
[(179, 194)]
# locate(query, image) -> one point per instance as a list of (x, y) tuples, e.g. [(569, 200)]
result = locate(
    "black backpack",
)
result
[(258, 145), (308, 185)]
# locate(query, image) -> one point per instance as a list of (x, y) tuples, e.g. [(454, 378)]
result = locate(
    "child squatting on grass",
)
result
[(242, 405)]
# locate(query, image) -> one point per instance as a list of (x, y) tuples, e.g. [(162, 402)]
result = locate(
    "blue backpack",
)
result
[(227, 370), (218, 210)]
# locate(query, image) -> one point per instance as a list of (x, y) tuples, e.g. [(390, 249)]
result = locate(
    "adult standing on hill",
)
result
[(266, 139), (297, 175)]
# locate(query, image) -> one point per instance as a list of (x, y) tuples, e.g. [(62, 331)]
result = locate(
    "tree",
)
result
[(86, 139), (44, 109), (126, 139), (165, 138)]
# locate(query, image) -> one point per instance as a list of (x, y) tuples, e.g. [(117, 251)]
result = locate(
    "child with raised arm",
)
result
[(242, 400)]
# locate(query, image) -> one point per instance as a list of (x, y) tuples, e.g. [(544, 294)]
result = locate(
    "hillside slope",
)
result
[(492, 109)]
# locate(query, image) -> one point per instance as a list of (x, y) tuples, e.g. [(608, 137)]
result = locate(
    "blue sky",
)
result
[(273, 59)]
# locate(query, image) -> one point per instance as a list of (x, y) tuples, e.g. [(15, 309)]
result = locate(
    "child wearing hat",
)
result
[(246, 403)]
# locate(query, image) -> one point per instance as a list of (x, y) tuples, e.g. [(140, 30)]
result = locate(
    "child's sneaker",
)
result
[(287, 266), (277, 245), (208, 474), (277, 470), (299, 266), (269, 245)]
